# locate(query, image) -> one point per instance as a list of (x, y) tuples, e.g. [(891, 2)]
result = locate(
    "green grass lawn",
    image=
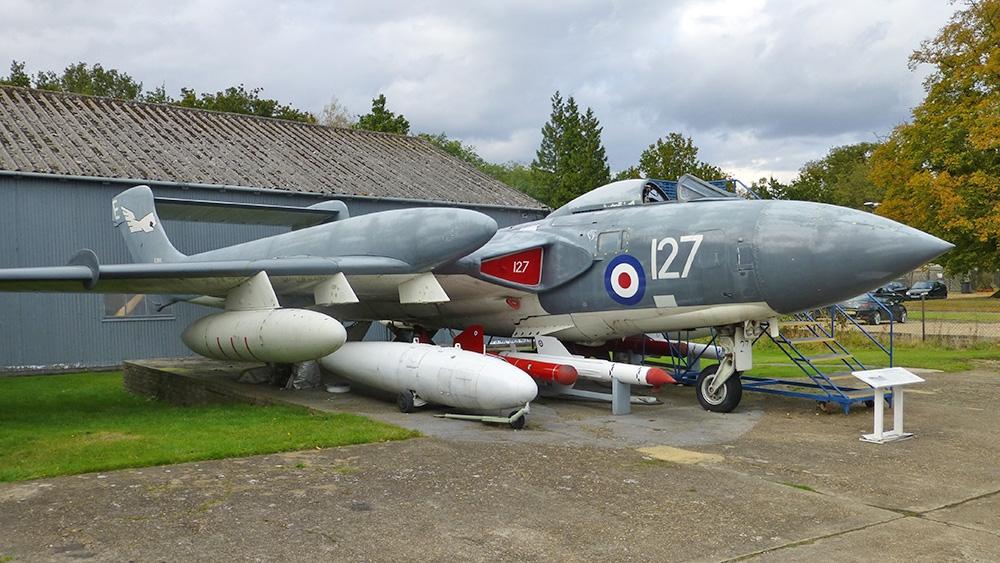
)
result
[(769, 361), (972, 316), (76, 423), (982, 303)]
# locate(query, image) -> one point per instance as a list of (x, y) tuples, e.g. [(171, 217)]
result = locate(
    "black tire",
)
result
[(405, 401), (726, 398), (519, 422)]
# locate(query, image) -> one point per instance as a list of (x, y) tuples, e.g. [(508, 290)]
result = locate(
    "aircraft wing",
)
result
[(85, 274)]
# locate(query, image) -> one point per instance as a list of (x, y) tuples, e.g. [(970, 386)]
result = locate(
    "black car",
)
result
[(866, 308), (930, 289), (893, 289)]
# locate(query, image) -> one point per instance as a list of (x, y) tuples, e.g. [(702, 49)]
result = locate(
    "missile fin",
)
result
[(255, 294), (335, 290), (471, 339), (422, 289), (551, 346)]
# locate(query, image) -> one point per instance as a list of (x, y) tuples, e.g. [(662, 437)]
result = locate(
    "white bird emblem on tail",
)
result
[(145, 224)]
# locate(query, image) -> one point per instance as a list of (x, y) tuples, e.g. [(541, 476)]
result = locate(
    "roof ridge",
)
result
[(173, 107), (63, 133)]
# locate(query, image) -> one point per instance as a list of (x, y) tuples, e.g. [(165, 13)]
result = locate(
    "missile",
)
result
[(446, 376), (551, 350), (272, 335), (648, 346), (561, 374), (547, 372), (601, 370)]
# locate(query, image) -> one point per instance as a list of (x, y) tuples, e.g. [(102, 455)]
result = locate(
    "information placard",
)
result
[(887, 377)]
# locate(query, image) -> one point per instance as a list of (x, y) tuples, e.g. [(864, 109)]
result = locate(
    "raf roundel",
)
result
[(625, 280)]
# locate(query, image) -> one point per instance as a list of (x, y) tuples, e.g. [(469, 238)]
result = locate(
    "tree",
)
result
[(17, 76), (514, 174), (546, 163), (455, 148), (941, 172), (158, 95), (519, 176), (381, 119), (840, 178), (237, 99), (673, 156), (770, 188), (630, 173), (593, 166), (571, 159), (336, 115), (93, 80)]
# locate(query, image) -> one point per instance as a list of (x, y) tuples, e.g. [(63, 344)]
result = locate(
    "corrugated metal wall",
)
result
[(44, 222)]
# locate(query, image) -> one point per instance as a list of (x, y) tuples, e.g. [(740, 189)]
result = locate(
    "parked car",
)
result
[(866, 308), (893, 288), (932, 289)]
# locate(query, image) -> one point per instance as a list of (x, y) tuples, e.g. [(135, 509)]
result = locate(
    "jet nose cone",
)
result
[(812, 254)]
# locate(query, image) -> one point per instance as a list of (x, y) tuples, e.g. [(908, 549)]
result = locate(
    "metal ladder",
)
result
[(832, 389)]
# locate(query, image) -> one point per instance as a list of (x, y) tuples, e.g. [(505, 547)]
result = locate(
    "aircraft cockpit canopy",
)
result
[(643, 191)]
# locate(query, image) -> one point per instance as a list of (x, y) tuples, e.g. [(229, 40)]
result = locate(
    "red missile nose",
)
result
[(565, 375), (657, 377)]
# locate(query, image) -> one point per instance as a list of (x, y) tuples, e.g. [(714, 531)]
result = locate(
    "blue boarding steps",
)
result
[(812, 345), (812, 349)]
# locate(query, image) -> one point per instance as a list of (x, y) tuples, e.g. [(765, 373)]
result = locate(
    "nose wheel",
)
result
[(725, 397)]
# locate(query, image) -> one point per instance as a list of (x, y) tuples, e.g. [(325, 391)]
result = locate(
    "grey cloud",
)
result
[(761, 86)]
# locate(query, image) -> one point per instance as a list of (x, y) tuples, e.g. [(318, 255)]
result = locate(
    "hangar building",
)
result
[(64, 156)]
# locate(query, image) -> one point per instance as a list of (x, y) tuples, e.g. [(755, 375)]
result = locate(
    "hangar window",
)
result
[(131, 306)]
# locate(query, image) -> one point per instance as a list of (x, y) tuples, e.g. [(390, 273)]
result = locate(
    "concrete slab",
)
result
[(951, 459), (778, 479), (904, 540), (978, 514), (419, 500)]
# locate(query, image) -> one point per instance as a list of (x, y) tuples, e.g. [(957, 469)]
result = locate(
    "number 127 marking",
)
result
[(663, 271)]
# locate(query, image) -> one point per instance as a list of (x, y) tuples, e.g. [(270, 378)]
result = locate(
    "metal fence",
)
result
[(959, 319)]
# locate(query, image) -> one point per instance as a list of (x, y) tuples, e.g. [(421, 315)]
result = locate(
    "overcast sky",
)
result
[(761, 86)]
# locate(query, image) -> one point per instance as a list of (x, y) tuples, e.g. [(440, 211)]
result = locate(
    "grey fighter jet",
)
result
[(628, 258)]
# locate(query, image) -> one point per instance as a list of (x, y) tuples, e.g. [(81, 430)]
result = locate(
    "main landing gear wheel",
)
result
[(405, 401), (725, 397), (517, 423)]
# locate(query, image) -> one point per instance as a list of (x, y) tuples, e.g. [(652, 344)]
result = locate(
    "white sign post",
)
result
[(892, 379)]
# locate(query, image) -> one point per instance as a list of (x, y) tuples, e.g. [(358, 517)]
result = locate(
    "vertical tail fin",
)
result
[(134, 213)]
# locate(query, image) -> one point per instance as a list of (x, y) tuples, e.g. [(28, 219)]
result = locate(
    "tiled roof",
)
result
[(69, 134)]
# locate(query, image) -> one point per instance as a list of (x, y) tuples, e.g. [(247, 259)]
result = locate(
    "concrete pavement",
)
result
[(779, 480)]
